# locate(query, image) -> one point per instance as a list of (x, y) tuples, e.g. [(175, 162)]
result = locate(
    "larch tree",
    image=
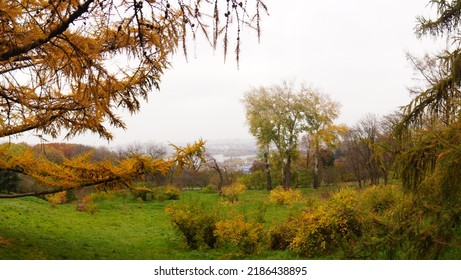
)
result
[(69, 66), (430, 131)]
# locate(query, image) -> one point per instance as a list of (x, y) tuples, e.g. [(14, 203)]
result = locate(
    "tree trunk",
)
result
[(268, 172), (268, 176), (316, 170), (287, 173), (221, 179)]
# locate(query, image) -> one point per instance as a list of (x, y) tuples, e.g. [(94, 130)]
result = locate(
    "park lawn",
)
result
[(122, 228)]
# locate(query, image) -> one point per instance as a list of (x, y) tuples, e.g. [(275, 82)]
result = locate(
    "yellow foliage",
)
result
[(282, 196), (281, 234), (247, 236), (81, 172), (194, 222), (316, 234), (330, 226), (63, 52), (56, 198), (72, 82), (232, 192)]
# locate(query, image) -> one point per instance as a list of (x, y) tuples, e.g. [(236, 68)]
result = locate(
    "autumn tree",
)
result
[(369, 148), (321, 131), (351, 150), (278, 115), (367, 132), (430, 129), (69, 66), (213, 164)]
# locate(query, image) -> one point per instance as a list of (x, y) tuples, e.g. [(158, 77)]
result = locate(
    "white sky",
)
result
[(352, 50)]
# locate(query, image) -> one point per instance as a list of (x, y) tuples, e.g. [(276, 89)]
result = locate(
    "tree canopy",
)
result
[(66, 66), (278, 115), (69, 67)]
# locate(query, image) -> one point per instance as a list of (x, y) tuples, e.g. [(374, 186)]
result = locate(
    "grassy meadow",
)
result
[(328, 223), (121, 228)]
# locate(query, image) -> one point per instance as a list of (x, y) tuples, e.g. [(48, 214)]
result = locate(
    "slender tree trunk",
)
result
[(316, 170), (287, 173), (358, 175), (268, 171), (268, 178), (386, 178), (221, 178)]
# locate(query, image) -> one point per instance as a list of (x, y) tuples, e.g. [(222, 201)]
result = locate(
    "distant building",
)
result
[(246, 169)]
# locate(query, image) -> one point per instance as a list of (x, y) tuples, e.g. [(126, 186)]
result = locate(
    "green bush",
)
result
[(166, 193), (381, 208), (210, 189), (156, 193), (380, 199), (254, 180)]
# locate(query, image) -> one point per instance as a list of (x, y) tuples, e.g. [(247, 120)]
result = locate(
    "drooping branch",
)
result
[(18, 50), (81, 172), (53, 191)]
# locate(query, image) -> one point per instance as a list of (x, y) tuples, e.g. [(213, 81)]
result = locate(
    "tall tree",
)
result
[(431, 132), (278, 115), (69, 66), (323, 133)]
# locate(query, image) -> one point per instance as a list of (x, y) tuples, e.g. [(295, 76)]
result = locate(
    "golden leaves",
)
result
[(81, 171)]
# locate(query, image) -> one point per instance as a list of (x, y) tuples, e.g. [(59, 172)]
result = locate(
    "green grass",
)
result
[(125, 229), (122, 228)]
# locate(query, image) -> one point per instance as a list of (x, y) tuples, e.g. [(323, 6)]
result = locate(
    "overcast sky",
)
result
[(352, 50)]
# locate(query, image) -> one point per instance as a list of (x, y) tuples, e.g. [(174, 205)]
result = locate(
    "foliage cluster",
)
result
[(161, 193), (87, 204), (280, 235), (9, 181), (233, 191), (56, 198), (282, 196), (215, 225), (195, 222), (350, 223), (254, 180), (246, 235), (82, 171), (210, 189), (327, 227)]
